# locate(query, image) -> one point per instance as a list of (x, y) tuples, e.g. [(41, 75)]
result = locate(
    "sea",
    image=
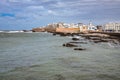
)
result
[(42, 56)]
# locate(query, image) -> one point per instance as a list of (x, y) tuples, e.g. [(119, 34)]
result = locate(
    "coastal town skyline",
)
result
[(27, 14)]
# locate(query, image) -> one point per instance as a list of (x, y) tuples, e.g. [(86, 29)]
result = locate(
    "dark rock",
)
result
[(79, 49), (104, 40), (64, 44), (59, 77), (87, 37), (66, 34), (101, 40), (96, 41), (54, 34), (69, 34), (79, 42), (70, 45), (25, 30), (63, 34), (75, 39)]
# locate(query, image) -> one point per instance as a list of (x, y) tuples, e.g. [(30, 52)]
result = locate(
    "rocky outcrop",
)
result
[(51, 28), (63, 34), (95, 35), (38, 30)]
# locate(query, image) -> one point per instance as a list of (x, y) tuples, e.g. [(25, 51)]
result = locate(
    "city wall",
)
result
[(68, 30)]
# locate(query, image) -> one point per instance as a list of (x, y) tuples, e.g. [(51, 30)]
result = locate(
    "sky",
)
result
[(27, 14)]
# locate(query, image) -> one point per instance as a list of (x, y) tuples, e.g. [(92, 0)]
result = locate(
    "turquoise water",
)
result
[(41, 56)]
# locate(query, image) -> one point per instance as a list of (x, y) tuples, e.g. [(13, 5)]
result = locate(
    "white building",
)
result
[(66, 25), (113, 27), (72, 25), (91, 27)]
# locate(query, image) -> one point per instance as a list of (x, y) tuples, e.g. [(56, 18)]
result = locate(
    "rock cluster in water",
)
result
[(75, 44), (92, 37)]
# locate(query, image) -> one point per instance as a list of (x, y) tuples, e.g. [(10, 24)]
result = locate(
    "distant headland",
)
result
[(78, 28)]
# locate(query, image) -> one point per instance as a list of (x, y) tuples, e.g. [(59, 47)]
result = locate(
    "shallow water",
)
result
[(41, 56)]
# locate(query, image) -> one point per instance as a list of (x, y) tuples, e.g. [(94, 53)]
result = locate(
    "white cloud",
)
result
[(20, 1), (52, 12), (36, 7), (59, 4), (46, 0)]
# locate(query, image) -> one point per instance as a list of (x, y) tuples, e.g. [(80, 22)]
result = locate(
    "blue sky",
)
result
[(26, 14)]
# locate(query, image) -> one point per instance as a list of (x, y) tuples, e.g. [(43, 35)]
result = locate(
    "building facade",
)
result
[(82, 27), (112, 27), (67, 28)]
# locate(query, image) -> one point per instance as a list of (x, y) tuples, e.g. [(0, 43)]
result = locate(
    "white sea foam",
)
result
[(14, 31)]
